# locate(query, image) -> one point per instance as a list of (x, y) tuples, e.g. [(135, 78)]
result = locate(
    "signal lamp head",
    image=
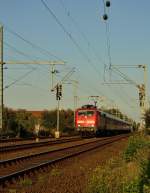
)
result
[(105, 17), (107, 3)]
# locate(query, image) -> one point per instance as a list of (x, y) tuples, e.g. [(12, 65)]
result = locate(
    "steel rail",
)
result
[(27, 139), (9, 177), (36, 144), (9, 161)]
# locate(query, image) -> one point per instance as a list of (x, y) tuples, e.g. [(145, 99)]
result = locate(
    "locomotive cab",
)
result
[(86, 120)]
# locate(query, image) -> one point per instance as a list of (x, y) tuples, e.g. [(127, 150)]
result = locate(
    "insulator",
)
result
[(105, 17), (107, 3)]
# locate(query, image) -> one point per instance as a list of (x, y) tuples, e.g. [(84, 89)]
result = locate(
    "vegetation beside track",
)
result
[(21, 123), (147, 121), (129, 173)]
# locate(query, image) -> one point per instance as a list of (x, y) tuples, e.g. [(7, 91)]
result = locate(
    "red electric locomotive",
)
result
[(91, 121)]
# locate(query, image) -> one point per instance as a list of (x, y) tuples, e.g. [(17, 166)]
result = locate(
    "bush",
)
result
[(142, 159), (26, 182), (135, 143), (114, 177), (24, 133), (129, 174), (44, 133)]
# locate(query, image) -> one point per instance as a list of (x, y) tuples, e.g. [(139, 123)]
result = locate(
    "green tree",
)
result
[(18, 123), (49, 120), (26, 123), (147, 118), (66, 121), (9, 123)]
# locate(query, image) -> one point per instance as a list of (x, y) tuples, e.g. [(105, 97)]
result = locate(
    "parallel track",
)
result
[(31, 163), (37, 144), (24, 139)]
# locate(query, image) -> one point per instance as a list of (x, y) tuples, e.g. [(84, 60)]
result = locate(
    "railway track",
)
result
[(20, 139), (20, 166), (37, 144)]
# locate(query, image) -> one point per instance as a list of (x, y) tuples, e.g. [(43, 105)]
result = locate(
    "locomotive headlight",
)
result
[(91, 122)]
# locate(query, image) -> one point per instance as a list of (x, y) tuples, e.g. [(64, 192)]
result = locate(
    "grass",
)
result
[(129, 173), (55, 172), (135, 143), (42, 177), (26, 182), (12, 191)]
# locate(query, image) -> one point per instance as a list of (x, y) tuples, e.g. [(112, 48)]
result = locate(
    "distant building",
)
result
[(36, 114)]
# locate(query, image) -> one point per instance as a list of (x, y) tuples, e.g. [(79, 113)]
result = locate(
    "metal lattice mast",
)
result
[(15, 62), (143, 99), (75, 85), (142, 88), (1, 78)]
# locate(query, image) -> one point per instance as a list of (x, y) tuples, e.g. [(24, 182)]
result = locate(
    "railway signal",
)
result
[(58, 98), (142, 88), (53, 63), (105, 17), (58, 91), (107, 3), (106, 6), (142, 95)]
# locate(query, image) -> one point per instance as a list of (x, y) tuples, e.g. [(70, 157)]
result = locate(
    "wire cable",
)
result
[(69, 35), (68, 13), (33, 45), (18, 79), (28, 56)]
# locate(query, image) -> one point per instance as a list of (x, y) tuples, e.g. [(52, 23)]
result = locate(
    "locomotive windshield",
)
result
[(85, 113)]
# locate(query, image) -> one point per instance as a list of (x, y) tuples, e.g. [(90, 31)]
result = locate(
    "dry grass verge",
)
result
[(129, 173)]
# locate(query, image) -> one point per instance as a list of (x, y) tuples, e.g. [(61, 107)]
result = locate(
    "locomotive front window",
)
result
[(81, 113), (90, 113), (85, 113)]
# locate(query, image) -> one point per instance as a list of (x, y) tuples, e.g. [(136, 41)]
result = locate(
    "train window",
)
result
[(90, 113), (81, 113), (85, 113)]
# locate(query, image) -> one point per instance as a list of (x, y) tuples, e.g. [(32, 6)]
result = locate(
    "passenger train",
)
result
[(89, 121)]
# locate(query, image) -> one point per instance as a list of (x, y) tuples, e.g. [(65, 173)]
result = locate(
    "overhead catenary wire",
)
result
[(125, 77), (118, 72), (124, 100), (23, 83), (108, 45), (33, 45), (19, 52), (68, 34), (69, 16), (107, 31), (42, 50), (81, 51), (74, 22), (23, 54), (28, 66), (115, 69), (20, 78)]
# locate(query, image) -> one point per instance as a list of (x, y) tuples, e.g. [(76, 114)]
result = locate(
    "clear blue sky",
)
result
[(129, 45)]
